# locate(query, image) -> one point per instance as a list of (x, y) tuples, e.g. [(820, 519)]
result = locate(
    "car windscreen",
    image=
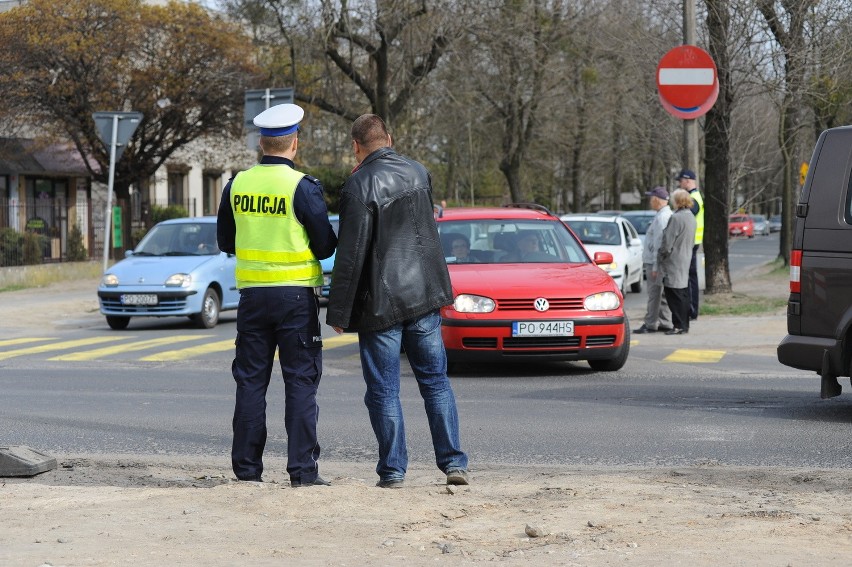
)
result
[(509, 241), (179, 239)]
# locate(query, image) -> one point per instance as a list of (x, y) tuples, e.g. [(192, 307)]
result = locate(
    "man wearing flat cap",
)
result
[(658, 316), (689, 181), (274, 219)]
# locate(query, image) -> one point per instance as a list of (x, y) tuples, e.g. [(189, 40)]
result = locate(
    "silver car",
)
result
[(761, 225)]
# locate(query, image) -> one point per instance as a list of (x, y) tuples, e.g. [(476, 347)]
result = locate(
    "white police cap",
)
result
[(279, 120)]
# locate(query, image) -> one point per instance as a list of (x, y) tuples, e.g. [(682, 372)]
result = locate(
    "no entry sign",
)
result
[(687, 81)]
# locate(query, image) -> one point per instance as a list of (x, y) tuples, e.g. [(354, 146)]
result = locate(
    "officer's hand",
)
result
[(338, 330)]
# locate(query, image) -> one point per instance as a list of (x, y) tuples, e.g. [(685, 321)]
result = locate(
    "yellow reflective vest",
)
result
[(699, 218), (272, 246)]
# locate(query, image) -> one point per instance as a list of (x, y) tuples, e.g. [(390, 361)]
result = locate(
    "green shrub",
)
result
[(332, 179), (34, 247), (11, 247), (159, 214), (75, 251)]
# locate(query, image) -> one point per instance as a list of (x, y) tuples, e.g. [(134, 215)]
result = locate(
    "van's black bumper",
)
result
[(806, 353)]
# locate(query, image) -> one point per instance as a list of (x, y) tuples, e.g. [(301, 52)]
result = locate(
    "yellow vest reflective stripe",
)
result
[(699, 218), (272, 246)]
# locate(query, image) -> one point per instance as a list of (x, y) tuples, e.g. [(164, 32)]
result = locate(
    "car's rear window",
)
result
[(596, 232), (509, 241)]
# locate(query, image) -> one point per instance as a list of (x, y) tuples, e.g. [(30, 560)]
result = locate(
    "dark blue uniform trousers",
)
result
[(285, 317)]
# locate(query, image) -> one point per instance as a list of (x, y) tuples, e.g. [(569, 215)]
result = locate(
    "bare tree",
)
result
[(791, 40), (717, 143)]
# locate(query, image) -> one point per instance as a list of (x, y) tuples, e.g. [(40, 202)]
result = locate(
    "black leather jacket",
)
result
[(389, 266)]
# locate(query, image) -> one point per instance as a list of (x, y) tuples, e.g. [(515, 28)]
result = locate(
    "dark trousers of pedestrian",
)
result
[(285, 318), (678, 298), (693, 283)]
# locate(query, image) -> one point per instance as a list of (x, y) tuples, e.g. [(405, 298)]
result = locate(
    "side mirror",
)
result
[(603, 258), (128, 253)]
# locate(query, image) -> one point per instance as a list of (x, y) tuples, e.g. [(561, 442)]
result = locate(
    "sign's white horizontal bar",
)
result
[(671, 76)]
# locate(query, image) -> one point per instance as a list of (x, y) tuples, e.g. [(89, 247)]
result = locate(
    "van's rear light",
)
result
[(795, 271)]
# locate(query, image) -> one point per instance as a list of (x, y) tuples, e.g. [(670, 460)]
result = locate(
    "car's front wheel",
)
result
[(117, 323), (619, 360), (636, 287), (210, 308)]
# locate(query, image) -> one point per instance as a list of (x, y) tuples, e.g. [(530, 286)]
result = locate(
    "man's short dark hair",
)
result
[(277, 144), (369, 130)]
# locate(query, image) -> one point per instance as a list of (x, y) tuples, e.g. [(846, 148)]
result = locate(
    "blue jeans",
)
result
[(380, 356)]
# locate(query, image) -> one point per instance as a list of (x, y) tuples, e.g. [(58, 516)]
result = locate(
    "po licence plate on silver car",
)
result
[(543, 329), (139, 299)]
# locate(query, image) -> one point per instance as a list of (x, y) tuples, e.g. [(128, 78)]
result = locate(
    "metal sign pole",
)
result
[(108, 216)]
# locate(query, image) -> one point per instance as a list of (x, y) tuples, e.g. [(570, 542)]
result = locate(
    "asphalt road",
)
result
[(718, 396)]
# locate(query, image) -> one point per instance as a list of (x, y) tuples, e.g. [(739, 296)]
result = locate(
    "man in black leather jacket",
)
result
[(389, 282)]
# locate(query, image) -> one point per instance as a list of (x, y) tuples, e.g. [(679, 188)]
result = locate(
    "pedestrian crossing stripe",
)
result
[(22, 341), (127, 347), (220, 346), (190, 352), (698, 356), (59, 346), (340, 340)]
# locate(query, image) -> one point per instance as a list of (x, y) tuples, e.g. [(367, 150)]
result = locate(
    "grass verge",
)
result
[(741, 304)]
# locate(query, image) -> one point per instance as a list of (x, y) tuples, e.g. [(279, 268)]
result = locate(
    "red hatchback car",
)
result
[(740, 225), (526, 289)]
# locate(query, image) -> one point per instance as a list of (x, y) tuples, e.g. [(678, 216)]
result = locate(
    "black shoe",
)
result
[(676, 332), (318, 481), (250, 479), (643, 329), (457, 477), (391, 483), (664, 329)]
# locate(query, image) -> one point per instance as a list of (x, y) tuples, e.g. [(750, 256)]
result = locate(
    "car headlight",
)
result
[(179, 280), (109, 280), (465, 303), (605, 301)]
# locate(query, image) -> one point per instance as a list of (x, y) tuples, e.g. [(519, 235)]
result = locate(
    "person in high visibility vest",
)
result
[(273, 218), (689, 181)]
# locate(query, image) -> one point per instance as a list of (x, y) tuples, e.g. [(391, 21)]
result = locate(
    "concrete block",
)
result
[(20, 460)]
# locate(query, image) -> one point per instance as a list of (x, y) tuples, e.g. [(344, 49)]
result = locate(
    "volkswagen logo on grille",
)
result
[(541, 304)]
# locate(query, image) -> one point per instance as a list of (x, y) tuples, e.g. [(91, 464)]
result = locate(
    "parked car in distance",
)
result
[(640, 220), (616, 235), (177, 269), (761, 225), (527, 291), (740, 225), (328, 263), (775, 223)]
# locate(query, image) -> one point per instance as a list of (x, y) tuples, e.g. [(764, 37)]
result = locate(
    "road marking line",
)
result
[(183, 353), (60, 346), (340, 340), (219, 346), (21, 341), (129, 347), (689, 355)]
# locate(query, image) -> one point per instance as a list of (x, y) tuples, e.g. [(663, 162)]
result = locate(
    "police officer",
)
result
[(689, 181), (274, 219)]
